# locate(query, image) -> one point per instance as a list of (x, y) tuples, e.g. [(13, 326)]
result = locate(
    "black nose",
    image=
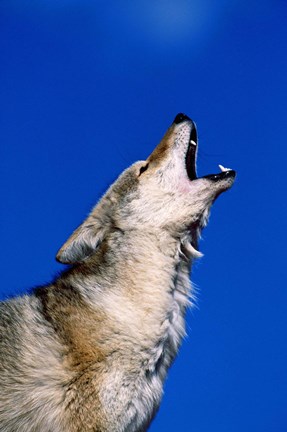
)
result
[(181, 118)]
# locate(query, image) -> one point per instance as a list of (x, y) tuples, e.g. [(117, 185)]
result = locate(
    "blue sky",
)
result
[(87, 88)]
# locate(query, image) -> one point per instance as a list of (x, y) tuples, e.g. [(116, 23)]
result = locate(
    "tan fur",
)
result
[(90, 351), (161, 151)]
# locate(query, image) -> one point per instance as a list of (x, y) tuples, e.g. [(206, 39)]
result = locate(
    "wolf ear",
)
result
[(85, 239), (82, 243)]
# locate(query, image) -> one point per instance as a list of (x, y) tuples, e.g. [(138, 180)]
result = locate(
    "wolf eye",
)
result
[(143, 169)]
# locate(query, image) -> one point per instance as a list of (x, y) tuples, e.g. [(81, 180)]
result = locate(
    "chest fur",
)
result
[(173, 327)]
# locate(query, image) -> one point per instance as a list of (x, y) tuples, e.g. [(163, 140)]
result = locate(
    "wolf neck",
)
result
[(142, 281), (136, 264)]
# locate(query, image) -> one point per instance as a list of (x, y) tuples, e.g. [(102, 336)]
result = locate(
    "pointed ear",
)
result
[(88, 236), (82, 243)]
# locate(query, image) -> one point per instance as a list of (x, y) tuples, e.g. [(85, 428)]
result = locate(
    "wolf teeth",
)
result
[(222, 169), (193, 142)]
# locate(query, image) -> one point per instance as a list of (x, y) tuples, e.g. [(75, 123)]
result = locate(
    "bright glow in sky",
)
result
[(170, 22)]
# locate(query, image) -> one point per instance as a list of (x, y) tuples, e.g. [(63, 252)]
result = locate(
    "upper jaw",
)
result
[(191, 155)]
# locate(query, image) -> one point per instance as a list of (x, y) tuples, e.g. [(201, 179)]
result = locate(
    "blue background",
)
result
[(87, 88)]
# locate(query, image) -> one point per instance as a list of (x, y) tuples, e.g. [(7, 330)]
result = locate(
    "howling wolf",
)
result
[(91, 350)]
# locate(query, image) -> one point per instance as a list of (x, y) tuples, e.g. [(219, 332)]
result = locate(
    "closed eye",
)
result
[(143, 169)]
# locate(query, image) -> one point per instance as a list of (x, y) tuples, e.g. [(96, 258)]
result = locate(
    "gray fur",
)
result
[(90, 351)]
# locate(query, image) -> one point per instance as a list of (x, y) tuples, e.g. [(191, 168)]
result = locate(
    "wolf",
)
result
[(91, 350)]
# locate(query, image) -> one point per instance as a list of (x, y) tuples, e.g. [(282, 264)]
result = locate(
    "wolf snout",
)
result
[(181, 117)]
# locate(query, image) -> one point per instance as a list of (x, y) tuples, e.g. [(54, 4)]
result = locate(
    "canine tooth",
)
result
[(222, 169), (192, 251), (193, 142)]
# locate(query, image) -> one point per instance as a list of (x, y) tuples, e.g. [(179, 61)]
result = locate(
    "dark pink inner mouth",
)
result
[(190, 158)]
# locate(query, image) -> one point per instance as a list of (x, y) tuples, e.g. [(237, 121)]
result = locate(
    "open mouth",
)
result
[(190, 161), (190, 158)]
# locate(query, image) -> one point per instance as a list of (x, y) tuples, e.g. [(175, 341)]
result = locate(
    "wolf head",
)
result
[(162, 193)]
